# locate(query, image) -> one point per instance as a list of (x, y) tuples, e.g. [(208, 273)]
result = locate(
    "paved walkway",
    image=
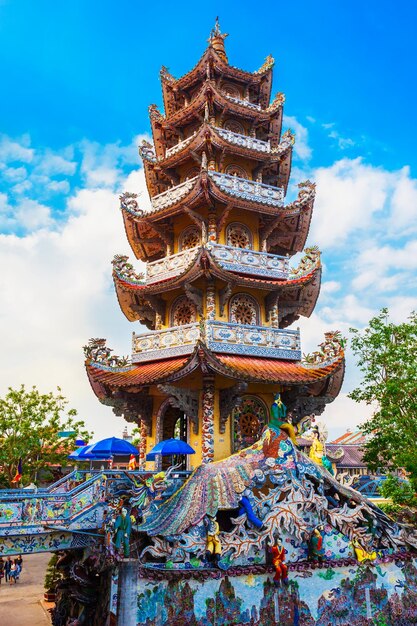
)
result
[(20, 603)]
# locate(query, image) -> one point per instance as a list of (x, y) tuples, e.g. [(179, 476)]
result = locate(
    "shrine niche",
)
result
[(248, 421), (183, 311), (244, 309), (239, 236)]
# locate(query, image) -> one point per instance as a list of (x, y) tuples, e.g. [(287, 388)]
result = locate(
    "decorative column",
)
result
[(207, 429), (212, 227), (210, 302), (127, 592), (142, 445)]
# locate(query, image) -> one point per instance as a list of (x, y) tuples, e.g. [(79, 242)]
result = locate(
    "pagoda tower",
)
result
[(219, 294)]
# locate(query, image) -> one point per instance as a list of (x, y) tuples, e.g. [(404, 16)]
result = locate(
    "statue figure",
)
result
[(361, 554), (315, 546), (213, 545), (278, 417), (123, 528), (278, 561), (246, 509), (318, 451)]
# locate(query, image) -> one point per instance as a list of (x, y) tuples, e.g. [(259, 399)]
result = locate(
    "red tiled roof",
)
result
[(141, 374), (350, 437), (273, 370)]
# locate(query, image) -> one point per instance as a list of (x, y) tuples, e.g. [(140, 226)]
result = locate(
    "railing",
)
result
[(179, 146), (248, 189), (250, 261), (171, 196), (244, 141), (245, 103), (225, 337), (169, 266), (230, 258)]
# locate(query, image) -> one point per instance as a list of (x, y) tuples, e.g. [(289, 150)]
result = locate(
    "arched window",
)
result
[(248, 421), (238, 236), (189, 238), (244, 309), (231, 90), (183, 311), (236, 170), (234, 126)]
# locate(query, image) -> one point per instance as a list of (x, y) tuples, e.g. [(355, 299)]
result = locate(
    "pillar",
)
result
[(142, 445), (210, 302), (207, 428), (212, 227), (127, 592)]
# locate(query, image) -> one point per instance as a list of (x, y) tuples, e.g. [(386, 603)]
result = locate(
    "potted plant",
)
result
[(52, 578)]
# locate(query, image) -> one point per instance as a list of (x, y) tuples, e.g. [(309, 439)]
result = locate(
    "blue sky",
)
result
[(77, 80)]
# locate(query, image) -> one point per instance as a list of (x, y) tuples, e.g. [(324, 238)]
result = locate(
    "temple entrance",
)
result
[(174, 426)]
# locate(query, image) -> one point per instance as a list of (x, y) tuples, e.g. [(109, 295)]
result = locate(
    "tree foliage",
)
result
[(29, 427), (387, 358)]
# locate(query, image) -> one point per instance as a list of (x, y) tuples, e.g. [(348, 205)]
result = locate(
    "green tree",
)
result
[(30, 423), (387, 358)]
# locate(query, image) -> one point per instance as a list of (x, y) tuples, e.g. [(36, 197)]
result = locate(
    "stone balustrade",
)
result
[(169, 266), (171, 196), (244, 141), (248, 189), (224, 337), (233, 259), (245, 103), (250, 262)]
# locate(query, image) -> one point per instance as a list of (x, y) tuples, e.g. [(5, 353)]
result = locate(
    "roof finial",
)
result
[(216, 40)]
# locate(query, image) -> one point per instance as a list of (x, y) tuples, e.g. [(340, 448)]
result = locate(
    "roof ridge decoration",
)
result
[(147, 151), (129, 203), (277, 102), (309, 262), (96, 351), (216, 40), (330, 350), (267, 65), (125, 270)]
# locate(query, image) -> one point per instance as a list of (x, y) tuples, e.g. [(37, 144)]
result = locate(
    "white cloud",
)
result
[(15, 174), (301, 147), (19, 150), (59, 186), (52, 164)]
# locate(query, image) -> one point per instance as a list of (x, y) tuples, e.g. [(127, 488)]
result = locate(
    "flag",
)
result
[(18, 476), (132, 462)]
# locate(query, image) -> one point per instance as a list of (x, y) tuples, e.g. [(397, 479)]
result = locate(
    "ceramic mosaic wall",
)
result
[(383, 595)]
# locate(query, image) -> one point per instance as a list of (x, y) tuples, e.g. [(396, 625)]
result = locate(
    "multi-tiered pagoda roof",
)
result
[(220, 289)]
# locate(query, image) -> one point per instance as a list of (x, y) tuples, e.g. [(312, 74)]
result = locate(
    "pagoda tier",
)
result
[(217, 107), (281, 229), (256, 86), (138, 390), (220, 146), (288, 292)]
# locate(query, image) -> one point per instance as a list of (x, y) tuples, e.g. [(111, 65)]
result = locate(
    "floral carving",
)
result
[(183, 312), (244, 310), (190, 238), (238, 236)]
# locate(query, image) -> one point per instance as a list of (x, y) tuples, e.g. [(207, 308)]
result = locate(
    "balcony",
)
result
[(248, 189), (169, 266), (252, 143), (179, 146), (250, 262), (239, 260), (224, 337), (171, 196), (244, 103)]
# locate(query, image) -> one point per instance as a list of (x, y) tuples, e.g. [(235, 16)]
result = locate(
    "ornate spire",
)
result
[(216, 40)]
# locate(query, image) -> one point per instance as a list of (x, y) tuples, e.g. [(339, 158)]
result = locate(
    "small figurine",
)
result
[(213, 545), (361, 554), (278, 418), (278, 561), (123, 528), (315, 546)]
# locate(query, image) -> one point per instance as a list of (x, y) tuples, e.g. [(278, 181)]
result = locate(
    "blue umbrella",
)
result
[(169, 447), (81, 454), (113, 447)]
